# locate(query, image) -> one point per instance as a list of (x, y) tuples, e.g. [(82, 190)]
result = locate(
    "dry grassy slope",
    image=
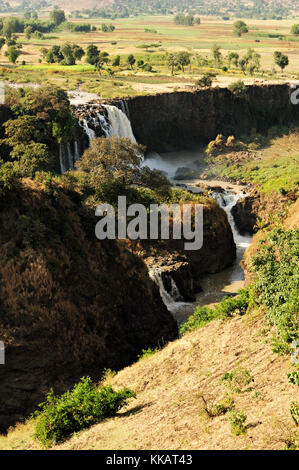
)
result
[(168, 412)]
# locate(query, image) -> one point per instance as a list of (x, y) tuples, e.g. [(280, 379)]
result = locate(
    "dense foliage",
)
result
[(276, 287), (85, 405), (41, 120)]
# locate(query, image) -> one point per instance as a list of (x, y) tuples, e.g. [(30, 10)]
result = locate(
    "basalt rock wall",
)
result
[(174, 121)]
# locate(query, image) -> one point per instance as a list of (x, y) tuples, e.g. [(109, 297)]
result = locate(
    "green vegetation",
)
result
[(238, 379), (228, 307), (237, 420), (147, 353), (281, 60), (239, 28), (61, 416), (276, 287)]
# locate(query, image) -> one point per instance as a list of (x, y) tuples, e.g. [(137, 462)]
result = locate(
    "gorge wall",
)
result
[(174, 121), (60, 317)]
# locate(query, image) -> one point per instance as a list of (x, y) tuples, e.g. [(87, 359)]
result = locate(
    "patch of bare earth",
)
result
[(169, 413)]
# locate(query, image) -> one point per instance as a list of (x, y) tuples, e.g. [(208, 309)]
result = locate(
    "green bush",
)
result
[(61, 416), (147, 353), (228, 307), (9, 176), (237, 420), (238, 379), (276, 286), (238, 89)]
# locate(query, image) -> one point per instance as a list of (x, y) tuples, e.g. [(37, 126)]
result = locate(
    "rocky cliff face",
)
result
[(70, 305), (173, 121), (187, 267), (258, 206)]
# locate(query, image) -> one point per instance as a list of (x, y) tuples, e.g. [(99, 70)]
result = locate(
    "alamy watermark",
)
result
[(137, 222), (295, 93), (2, 353)]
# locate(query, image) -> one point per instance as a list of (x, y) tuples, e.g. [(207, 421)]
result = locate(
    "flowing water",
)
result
[(115, 123), (214, 286)]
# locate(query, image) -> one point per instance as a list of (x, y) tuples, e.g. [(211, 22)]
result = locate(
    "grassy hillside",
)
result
[(223, 385), (177, 385)]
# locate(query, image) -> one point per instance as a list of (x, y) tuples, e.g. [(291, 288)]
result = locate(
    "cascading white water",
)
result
[(77, 152), (227, 201), (173, 299), (120, 125), (66, 158), (90, 132), (105, 125)]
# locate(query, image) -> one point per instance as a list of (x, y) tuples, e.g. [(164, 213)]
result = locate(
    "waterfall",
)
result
[(113, 122), (172, 297), (66, 158), (125, 108), (227, 201), (105, 125), (120, 125), (77, 152), (88, 131)]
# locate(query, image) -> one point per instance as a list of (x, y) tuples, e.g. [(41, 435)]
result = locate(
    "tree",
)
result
[(78, 52), (92, 55), (252, 61), (67, 52), (116, 61), (183, 59), (281, 60), (216, 55), (22, 135), (238, 89), (172, 62), (12, 53), (57, 17), (28, 32), (43, 52), (233, 57), (50, 57), (110, 159), (2, 42), (206, 80), (102, 60), (131, 60), (295, 29), (239, 28)]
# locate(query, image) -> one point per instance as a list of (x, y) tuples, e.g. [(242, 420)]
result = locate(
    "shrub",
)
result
[(276, 267), (147, 353), (61, 416), (294, 410), (228, 307), (294, 378), (237, 420), (238, 89), (238, 379), (9, 176)]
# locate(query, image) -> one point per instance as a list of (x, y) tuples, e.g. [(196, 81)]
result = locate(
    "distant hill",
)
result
[(244, 8)]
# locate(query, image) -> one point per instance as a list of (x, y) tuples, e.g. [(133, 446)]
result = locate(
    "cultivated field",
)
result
[(164, 37)]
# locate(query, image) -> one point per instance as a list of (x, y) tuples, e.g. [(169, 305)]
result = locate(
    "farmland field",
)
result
[(152, 39)]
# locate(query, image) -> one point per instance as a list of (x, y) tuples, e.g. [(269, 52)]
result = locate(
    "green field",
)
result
[(130, 36)]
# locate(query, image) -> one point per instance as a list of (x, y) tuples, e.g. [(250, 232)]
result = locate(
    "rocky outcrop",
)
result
[(259, 206), (188, 267), (177, 269), (173, 121), (60, 317), (245, 214)]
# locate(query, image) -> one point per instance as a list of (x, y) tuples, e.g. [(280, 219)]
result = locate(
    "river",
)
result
[(228, 281)]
